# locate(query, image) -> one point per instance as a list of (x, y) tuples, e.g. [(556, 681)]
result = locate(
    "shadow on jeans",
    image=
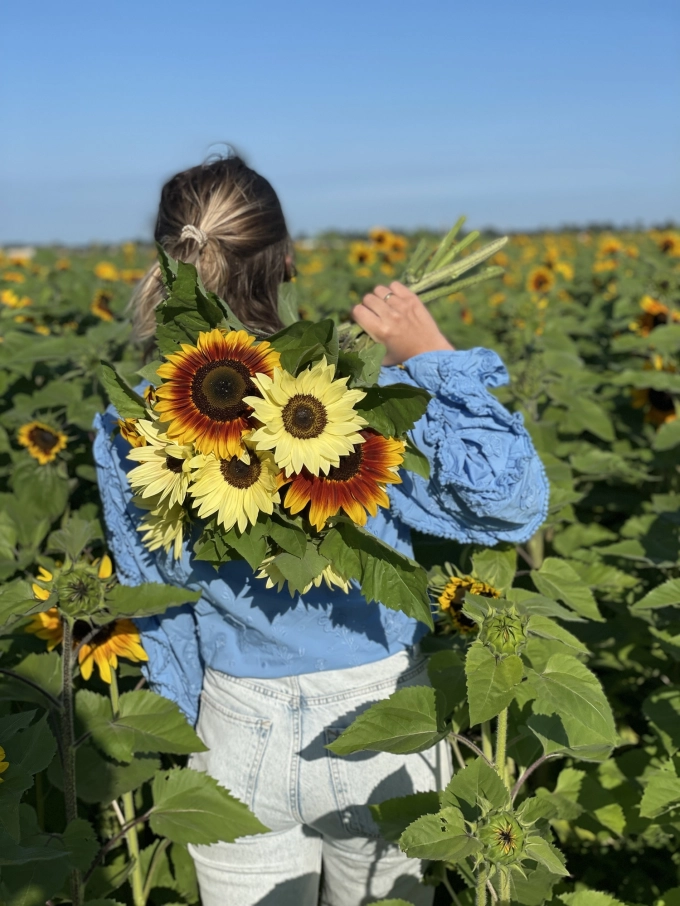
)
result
[(300, 891)]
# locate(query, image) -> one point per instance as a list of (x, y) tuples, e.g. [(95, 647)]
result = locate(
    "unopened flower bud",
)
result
[(503, 631), (503, 839)]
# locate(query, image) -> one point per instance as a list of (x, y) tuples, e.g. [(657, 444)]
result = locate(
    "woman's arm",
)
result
[(486, 482)]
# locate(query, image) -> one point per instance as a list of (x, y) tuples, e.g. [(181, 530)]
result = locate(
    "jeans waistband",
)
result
[(327, 685)]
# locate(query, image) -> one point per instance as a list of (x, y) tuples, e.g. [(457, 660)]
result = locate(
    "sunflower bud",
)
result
[(503, 631), (503, 839), (80, 591)]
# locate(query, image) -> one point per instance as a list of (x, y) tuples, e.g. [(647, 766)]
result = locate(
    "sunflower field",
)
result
[(554, 665)]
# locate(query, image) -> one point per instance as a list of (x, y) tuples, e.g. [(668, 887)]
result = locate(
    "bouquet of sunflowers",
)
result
[(276, 450)]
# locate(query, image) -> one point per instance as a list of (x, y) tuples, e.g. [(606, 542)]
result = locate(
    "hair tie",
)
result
[(189, 231)]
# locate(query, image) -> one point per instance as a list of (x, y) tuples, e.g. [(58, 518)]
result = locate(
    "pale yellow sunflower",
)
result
[(236, 490), (308, 421), (275, 578), (163, 471)]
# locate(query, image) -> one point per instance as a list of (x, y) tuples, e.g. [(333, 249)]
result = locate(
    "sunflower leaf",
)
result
[(300, 571), (288, 304), (305, 342), (394, 409), (128, 404), (250, 544), (290, 537), (385, 575), (491, 684), (146, 599), (393, 816), (191, 807), (415, 461), (442, 836)]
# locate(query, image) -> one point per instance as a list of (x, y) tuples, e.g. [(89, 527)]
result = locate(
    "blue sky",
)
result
[(519, 114)]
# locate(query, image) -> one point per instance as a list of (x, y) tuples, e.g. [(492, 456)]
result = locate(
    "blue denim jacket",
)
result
[(486, 485)]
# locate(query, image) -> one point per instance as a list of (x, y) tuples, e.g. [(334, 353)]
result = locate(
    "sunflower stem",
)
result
[(482, 874), (69, 750), (131, 837), (487, 745), (504, 886), (536, 549), (502, 745)]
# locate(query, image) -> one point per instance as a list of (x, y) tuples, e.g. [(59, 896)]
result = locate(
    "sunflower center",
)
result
[(348, 467), (81, 629), (174, 465), (218, 389), (304, 416), (241, 474), (540, 281), (43, 439), (507, 839), (661, 400)]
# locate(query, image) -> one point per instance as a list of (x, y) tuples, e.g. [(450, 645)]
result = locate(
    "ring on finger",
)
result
[(385, 298)]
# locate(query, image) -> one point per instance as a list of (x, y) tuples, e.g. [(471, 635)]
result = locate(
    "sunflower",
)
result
[(609, 245), (100, 305), (540, 280), (451, 599), (118, 639), (42, 441), (309, 420), (235, 489), (357, 484), (9, 298), (62, 264), (163, 526), (47, 625), (396, 247), (654, 314), (132, 275), (106, 271), (163, 471), (565, 269), (270, 571), (203, 397), (380, 237), (14, 277), (361, 254), (659, 404), (669, 244), (128, 430)]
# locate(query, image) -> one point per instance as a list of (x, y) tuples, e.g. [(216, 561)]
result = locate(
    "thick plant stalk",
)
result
[(136, 878), (536, 549), (482, 875), (487, 744), (69, 750), (504, 886), (501, 745)]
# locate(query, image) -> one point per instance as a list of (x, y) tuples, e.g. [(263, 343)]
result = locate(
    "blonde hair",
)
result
[(227, 220)]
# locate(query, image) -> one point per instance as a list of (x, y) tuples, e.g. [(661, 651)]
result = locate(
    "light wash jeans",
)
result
[(266, 739)]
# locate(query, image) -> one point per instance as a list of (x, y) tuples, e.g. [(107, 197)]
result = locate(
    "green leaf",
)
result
[(74, 536), (306, 342), (191, 807), (665, 595), (362, 366), (146, 722), (394, 815), (300, 572), (549, 629), (572, 692), (290, 537), (100, 780), (150, 372), (147, 599), (534, 809), (43, 669), (128, 404), (288, 304), (496, 567), (12, 853), (545, 854), (17, 600), (80, 840), (384, 575), (668, 436), (491, 684), (589, 898), (662, 710), (415, 461), (31, 750), (662, 793), (446, 670), (394, 409), (479, 786), (404, 722), (441, 836), (534, 888), (558, 579), (250, 544)]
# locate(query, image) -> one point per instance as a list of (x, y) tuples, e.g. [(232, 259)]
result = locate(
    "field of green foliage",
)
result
[(567, 739)]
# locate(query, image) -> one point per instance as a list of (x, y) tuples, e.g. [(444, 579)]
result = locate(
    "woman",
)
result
[(279, 678)]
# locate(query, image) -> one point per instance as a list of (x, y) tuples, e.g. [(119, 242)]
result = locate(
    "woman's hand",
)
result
[(395, 317)]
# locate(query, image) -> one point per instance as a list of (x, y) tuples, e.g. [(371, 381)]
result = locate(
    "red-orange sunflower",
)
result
[(201, 397), (357, 484)]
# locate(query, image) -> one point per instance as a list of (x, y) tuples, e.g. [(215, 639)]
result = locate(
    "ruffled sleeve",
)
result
[(174, 668), (486, 482)]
